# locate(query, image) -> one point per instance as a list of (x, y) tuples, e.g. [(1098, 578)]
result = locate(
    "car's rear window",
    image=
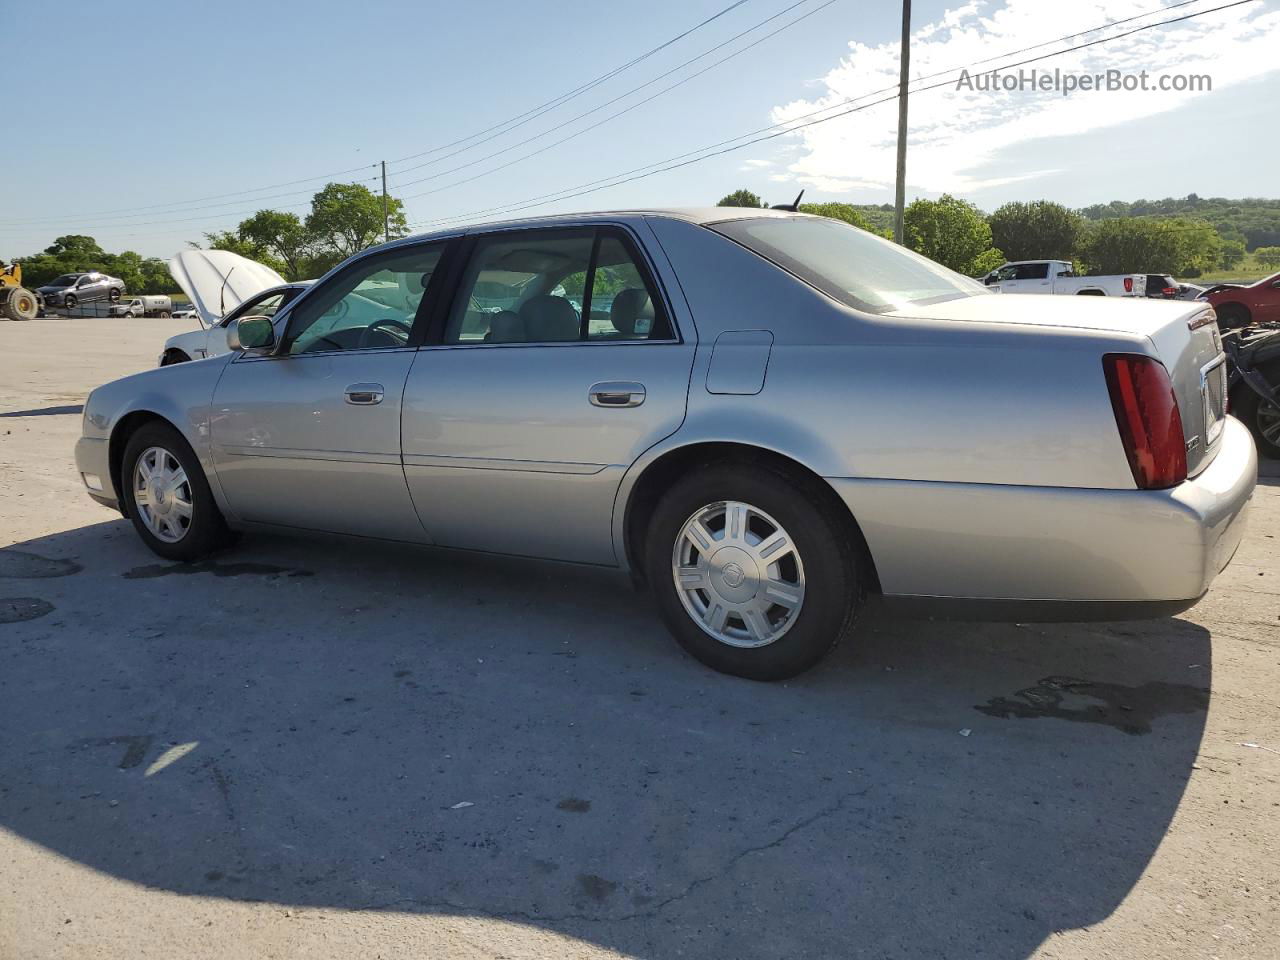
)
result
[(851, 265)]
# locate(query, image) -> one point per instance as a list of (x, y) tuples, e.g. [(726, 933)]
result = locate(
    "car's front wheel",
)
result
[(113, 295), (167, 496), (69, 301), (754, 572)]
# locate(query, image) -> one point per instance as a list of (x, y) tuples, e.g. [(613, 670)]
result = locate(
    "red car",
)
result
[(1240, 306)]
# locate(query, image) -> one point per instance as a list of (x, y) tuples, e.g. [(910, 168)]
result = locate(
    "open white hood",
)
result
[(218, 281)]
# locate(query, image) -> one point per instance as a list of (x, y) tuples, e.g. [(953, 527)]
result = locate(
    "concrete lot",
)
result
[(267, 756)]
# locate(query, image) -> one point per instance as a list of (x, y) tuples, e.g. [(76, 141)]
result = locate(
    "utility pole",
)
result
[(387, 216), (900, 194)]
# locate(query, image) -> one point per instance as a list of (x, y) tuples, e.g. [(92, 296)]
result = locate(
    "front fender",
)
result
[(180, 394)]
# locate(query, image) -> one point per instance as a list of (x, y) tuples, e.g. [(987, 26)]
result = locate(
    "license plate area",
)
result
[(1213, 396)]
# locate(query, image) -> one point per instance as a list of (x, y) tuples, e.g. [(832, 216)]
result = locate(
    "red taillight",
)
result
[(1170, 292), (1147, 415), (1128, 284)]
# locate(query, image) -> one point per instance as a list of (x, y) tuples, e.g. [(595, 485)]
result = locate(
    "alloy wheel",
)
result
[(1269, 422), (738, 574), (162, 494)]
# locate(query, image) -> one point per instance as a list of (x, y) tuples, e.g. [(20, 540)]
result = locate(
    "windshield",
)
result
[(851, 265)]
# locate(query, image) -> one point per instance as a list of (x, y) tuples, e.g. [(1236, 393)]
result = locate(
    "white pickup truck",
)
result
[(152, 306), (1058, 276)]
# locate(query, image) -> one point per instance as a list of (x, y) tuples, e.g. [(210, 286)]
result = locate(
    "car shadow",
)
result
[(372, 727)]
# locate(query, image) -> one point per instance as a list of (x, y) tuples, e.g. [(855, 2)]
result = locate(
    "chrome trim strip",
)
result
[(338, 456), (491, 463)]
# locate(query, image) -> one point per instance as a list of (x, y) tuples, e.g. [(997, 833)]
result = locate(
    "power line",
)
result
[(612, 116), (594, 186), (783, 12), (608, 103), (522, 118), (537, 111)]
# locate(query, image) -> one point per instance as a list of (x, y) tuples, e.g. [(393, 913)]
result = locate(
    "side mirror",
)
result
[(251, 333), (989, 279)]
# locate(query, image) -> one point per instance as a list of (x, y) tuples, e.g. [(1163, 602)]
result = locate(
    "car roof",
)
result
[(698, 215)]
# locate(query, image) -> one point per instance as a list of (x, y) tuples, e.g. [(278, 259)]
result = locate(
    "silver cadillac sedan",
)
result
[(765, 416)]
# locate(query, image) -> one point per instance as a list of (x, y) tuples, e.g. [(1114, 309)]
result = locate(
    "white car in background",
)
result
[(1058, 276), (223, 287)]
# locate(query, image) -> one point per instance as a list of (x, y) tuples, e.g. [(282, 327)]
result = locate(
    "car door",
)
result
[(88, 288), (309, 435), (557, 365)]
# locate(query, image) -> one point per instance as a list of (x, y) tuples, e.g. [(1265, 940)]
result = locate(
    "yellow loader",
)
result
[(16, 301)]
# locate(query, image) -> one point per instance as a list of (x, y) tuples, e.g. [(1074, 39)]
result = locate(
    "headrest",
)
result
[(506, 327), (632, 312), (549, 318)]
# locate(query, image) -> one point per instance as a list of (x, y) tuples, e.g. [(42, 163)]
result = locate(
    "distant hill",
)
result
[(1253, 220)]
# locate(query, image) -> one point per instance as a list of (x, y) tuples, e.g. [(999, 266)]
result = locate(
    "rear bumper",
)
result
[(1049, 553), (93, 464)]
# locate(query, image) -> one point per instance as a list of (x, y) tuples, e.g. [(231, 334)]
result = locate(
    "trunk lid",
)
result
[(218, 281), (1184, 333)]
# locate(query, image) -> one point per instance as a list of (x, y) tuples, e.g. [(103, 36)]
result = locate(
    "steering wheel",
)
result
[(367, 333)]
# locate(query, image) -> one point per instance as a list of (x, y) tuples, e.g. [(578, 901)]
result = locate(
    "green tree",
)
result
[(347, 217), (842, 211), (1039, 230), (1182, 247), (250, 249), (1269, 257), (740, 198), (283, 235), (952, 232), (1233, 254)]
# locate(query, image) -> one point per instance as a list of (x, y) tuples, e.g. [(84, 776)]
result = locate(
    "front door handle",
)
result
[(616, 393), (364, 394)]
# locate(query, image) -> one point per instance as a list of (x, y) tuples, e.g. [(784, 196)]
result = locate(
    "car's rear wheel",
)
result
[(753, 572), (113, 295), (1232, 316), (164, 314), (167, 496), (1262, 417)]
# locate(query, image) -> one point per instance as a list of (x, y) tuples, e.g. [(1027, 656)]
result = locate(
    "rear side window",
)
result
[(556, 286), (850, 265), (1032, 271)]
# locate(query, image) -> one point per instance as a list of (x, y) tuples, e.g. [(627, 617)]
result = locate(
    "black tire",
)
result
[(1246, 405), (207, 530), (173, 356), (832, 561), (164, 314), (20, 304), (113, 295), (69, 301), (1232, 316)]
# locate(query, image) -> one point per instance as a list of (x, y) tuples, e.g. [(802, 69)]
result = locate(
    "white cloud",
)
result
[(954, 133)]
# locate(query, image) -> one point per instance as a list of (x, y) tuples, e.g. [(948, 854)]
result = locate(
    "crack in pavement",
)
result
[(649, 912)]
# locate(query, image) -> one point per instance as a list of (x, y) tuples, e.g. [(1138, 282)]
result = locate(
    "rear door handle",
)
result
[(364, 394), (616, 393)]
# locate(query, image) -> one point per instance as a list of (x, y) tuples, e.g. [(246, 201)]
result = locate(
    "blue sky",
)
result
[(145, 106)]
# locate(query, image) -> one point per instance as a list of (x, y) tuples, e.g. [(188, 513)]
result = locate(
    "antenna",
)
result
[(222, 293), (793, 206)]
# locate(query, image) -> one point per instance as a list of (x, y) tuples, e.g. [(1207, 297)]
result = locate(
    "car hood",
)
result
[(1119, 314), (218, 281)]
